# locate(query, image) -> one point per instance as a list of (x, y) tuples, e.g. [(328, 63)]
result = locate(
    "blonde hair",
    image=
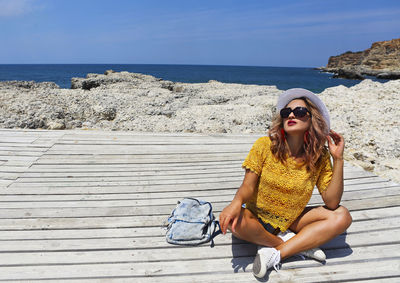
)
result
[(313, 148)]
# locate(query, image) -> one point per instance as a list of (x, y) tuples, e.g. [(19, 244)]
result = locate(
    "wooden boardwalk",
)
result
[(90, 206)]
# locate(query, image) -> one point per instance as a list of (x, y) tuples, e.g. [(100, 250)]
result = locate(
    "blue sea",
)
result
[(283, 77)]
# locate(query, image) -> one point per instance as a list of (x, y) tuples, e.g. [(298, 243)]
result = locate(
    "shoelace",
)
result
[(277, 263), (277, 266)]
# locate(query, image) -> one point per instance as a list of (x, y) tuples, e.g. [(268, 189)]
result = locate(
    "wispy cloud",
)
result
[(347, 22), (342, 18), (13, 8), (211, 24)]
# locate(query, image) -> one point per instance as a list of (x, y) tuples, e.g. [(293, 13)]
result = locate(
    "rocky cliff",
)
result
[(382, 60)]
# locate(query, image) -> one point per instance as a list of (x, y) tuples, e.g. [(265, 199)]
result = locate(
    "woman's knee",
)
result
[(342, 218)]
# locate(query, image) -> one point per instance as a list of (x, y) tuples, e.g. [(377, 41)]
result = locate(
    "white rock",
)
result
[(367, 113)]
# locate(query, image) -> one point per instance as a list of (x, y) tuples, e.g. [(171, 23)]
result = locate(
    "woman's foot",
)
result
[(266, 258), (315, 253)]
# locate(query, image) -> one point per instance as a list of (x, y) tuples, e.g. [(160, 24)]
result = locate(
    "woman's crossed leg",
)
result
[(314, 227)]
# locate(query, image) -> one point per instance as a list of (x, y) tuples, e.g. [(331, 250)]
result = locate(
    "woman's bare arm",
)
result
[(231, 213), (333, 195)]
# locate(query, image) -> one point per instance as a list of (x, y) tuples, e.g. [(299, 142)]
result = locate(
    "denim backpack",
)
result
[(192, 223)]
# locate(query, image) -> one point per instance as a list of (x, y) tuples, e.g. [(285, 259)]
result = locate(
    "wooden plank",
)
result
[(159, 146), (139, 158), (99, 190), (129, 167), (26, 147), (12, 169), (184, 254), (177, 173), (361, 181), (18, 158), (98, 233), (149, 173), (346, 272), (17, 163), (180, 137), (82, 223), (37, 171), (373, 185), (147, 196), (126, 200), (169, 253), (167, 195), (59, 194), (136, 160), (17, 139), (71, 182), (142, 218), (32, 132), (18, 188), (8, 176), (151, 141), (376, 213), (358, 227), (361, 222), (133, 183), (234, 166), (57, 210), (20, 154), (149, 269), (173, 196), (139, 180), (98, 135), (99, 155), (175, 190), (148, 151), (123, 171), (229, 277), (5, 183), (180, 254), (372, 203)]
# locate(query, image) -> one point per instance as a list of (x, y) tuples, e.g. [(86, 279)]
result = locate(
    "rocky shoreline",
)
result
[(381, 60), (365, 113), (360, 73)]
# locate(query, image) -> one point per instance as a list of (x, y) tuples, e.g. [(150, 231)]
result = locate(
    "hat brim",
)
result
[(294, 93)]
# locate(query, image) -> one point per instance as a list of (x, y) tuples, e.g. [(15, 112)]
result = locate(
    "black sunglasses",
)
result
[(299, 112)]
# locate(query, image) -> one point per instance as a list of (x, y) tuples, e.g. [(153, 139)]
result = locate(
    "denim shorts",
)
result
[(269, 228)]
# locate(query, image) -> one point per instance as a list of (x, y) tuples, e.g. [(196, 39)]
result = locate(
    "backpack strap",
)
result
[(216, 233)]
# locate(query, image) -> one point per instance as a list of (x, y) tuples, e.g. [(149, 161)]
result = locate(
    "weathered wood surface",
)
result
[(91, 205)]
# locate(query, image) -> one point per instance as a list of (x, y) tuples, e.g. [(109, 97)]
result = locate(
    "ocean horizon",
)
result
[(282, 77)]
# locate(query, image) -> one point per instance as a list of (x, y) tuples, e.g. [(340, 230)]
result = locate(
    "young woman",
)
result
[(281, 173)]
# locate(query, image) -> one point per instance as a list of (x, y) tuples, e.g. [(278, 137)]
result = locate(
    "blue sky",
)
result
[(219, 32)]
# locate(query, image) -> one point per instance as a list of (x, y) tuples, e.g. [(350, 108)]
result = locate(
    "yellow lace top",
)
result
[(283, 189)]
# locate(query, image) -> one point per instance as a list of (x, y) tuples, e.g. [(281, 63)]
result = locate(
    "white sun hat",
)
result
[(294, 93)]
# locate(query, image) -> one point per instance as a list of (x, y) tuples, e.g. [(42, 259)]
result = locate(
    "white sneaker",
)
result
[(265, 259), (286, 236), (315, 253)]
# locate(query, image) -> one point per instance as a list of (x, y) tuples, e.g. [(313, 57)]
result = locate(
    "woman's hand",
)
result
[(230, 214), (336, 145)]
